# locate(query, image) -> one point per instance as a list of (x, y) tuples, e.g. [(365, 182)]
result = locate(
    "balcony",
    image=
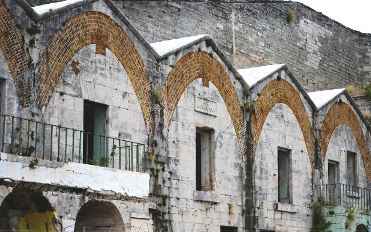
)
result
[(43, 154), (348, 196), (29, 138)]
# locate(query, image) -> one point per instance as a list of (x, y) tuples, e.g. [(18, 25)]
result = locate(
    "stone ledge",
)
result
[(287, 208), (205, 196), (75, 175)]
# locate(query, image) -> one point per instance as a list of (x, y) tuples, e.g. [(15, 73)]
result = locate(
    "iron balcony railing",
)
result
[(348, 196), (30, 138)]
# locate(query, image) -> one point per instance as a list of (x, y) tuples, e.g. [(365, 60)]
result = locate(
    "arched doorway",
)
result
[(27, 210), (99, 216), (361, 228)]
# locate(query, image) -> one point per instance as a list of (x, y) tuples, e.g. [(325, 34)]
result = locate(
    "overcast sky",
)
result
[(355, 14)]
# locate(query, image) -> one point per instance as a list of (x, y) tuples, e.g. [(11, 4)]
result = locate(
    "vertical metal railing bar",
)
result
[(35, 138), (131, 157), (43, 142), (58, 144), (119, 153), (20, 135), (3, 134), (80, 145), (51, 142), (73, 144), (12, 134), (65, 144), (28, 134)]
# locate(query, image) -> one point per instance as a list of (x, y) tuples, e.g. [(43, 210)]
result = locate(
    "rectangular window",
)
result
[(332, 180), (95, 132), (228, 229), (351, 168), (204, 159), (284, 175), (333, 172)]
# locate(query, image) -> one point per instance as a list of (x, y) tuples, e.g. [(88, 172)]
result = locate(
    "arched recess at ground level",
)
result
[(281, 91), (195, 65), (361, 228), (88, 28), (27, 210), (342, 114), (99, 216)]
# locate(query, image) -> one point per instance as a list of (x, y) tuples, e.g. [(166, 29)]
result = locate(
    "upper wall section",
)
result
[(323, 53)]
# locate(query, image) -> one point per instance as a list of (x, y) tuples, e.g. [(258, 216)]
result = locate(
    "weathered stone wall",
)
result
[(66, 206), (282, 130), (192, 210), (102, 79), (342, 140), (321, 53)]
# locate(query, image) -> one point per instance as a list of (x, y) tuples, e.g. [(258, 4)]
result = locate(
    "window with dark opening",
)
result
[(351, 168), (332, 180), (284, 175), (204, 159), (95, 132), (228, 229), (333, 172)]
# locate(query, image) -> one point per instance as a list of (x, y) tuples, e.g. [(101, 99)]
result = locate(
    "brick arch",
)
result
[(195, 65), (343, 114), (12, 46), (93, 28), (281, 91)]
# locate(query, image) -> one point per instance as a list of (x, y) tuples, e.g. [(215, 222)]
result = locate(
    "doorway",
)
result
[(95, 132), (333, 181)]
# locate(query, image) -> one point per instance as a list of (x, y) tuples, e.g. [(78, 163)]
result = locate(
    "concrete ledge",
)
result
[(288, 208), (75, 175), (205, 196)]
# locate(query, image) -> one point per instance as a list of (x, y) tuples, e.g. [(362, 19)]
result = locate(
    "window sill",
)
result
[(285, 207), (205, 196), (352, 194)]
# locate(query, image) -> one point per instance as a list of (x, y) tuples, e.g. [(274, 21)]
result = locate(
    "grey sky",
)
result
[(355, 14)]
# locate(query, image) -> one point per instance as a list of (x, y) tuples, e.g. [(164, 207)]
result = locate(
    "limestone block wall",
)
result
[(65, 208), (204, 211), (342, 140), (322, 53), (281, 129), (102, 79)]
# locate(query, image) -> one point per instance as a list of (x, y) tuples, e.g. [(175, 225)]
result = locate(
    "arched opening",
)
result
[(27, 210), (98, 216), (343, 114), (200, 65), (361, 228)]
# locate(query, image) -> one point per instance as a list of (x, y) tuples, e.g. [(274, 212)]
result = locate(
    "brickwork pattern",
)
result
[(339, 114), (93, 28), (281, 91), (196, 65), (12, 46)]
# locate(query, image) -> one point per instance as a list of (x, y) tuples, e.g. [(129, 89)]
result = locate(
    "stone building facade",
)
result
[(129, 116)]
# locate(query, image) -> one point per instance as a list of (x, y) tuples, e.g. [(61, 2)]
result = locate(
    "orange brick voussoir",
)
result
[(342, 114), (12, 47), (281, 91), (196, 65), (93, 28)]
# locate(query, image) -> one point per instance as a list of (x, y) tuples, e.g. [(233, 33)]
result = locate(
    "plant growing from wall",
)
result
[(156, 96), (33, 163), (368, 91), (319, 222), (291, 16), (351, 216)]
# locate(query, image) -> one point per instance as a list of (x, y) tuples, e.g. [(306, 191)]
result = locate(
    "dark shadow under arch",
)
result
[(98, 216), (24, 208)]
